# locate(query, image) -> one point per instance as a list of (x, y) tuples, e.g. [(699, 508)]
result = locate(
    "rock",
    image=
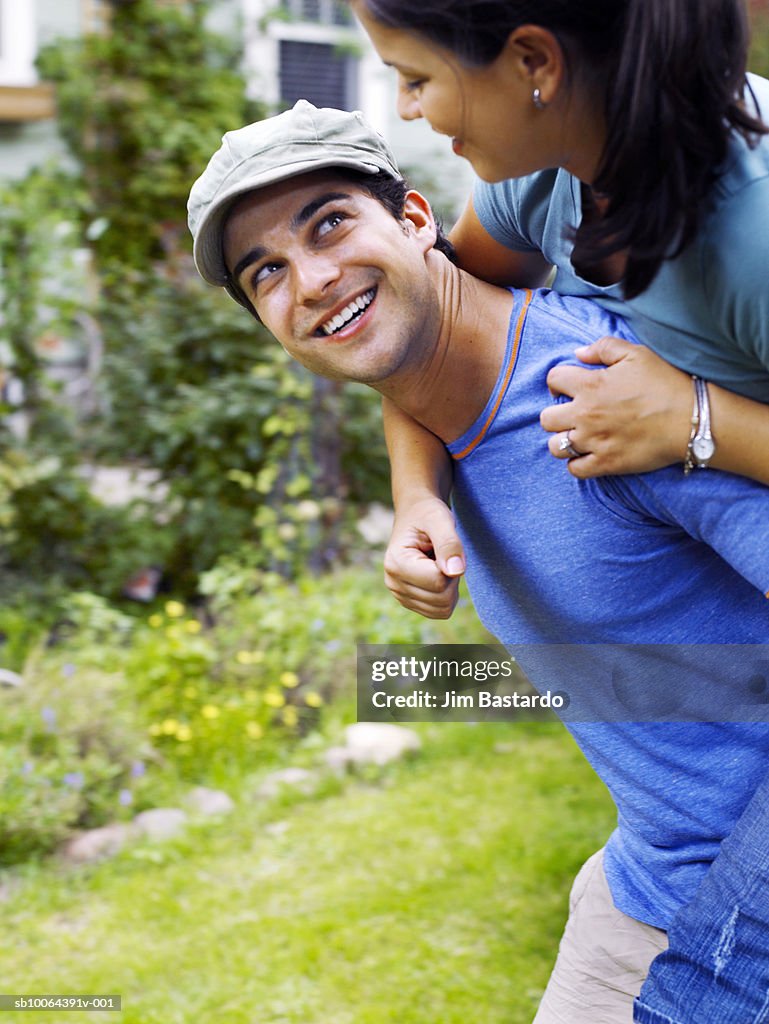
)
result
[(161, 822), (376, 525), (8, 678), (276, 828), (97, 843), (292, 778), (379, 742), (338, 759), (210, 802)]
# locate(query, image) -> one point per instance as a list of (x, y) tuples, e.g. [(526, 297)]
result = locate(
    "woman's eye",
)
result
[(415, 84)]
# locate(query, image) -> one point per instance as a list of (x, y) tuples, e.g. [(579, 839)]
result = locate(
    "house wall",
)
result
[(26, 144)]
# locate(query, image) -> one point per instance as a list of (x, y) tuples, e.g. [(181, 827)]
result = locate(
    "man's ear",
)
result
[(418, 214), (536, 57)]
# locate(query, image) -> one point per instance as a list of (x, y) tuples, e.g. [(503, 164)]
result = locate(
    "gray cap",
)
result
[(303, 139)]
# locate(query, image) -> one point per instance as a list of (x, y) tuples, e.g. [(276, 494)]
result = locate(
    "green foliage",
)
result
[(142, 107), (42, 282), (759, 51), (73, 755), (184, 699), (252, 451)]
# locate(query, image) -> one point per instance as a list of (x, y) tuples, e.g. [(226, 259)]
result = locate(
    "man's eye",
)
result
[(264, 272), (329, 223)]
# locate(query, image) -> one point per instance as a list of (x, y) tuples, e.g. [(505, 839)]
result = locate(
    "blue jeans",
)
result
[(716, 969)]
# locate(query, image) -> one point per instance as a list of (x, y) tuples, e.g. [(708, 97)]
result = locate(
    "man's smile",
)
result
[(347, 316)]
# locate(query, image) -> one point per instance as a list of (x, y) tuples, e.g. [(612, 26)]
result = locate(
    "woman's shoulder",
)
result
[(522, 211)]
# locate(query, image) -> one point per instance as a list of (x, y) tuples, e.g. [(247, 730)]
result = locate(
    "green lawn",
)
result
[(435, 893)]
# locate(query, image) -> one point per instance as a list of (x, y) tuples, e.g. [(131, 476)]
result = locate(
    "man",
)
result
[(306, 221)]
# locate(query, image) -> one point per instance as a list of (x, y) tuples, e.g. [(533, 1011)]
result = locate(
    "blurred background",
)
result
[(191, 532)]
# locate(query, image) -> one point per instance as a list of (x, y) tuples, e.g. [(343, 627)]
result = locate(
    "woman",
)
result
[(641, 172)]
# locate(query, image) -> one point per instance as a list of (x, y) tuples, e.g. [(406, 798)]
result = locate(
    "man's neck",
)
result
[(449, 389)]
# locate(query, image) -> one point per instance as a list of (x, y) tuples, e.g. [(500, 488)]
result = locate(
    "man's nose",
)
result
[(314, 276), (408, 104)]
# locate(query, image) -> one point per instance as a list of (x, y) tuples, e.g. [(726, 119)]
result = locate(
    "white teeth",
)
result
[(345, 315)]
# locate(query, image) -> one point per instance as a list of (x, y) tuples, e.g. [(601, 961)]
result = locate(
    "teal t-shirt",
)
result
[(707, 311)]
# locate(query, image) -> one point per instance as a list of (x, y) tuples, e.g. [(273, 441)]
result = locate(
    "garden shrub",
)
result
[(122, 713)]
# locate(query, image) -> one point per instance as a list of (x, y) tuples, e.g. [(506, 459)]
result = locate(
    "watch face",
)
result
[(703, 448)]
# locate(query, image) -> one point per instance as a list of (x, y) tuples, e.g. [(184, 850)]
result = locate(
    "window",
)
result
[(317, 72), (319, 12), (315, 60), (17, 43)]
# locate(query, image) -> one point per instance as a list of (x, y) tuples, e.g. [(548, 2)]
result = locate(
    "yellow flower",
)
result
[(155, 620), (251, 696), (249, 657), (192, 626), (289, 716), (174, 609), (254, 731), (313, 700), (156, 729), (190, 692), (289, 679), (210, 711), (274, 698), (169, 727), (183, 733)]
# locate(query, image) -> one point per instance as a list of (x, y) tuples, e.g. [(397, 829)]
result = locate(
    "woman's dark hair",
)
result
[(673, 75)]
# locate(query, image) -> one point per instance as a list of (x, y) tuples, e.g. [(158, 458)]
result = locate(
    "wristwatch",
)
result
[(702, 446)]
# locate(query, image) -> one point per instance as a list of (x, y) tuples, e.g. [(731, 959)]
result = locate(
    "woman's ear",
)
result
[(537, 58), (418, 214)]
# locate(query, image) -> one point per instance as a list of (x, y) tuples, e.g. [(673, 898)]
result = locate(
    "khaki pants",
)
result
[(603, 957)]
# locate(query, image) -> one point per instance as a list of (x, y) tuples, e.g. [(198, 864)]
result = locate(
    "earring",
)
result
[(539, 103)]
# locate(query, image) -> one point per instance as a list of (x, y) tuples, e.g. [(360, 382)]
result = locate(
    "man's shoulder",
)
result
[(582, 319)]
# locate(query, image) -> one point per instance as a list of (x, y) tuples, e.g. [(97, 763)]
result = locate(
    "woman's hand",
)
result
[(632, 417), (424, 559)]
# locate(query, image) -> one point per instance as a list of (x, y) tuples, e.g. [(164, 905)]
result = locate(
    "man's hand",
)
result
[(424, 559), (632, 417)]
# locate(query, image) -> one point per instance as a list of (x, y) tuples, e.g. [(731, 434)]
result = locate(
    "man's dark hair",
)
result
[(391, 193)]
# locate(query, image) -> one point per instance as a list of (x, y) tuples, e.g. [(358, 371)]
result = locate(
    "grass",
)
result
[(435, 892)]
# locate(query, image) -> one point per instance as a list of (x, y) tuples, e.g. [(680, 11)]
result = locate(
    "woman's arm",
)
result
[(424, 558), (635, 416)]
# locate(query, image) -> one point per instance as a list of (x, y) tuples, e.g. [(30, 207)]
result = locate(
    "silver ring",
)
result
[(565, 445)]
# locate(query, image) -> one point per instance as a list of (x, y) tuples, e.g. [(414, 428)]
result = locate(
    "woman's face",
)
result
[(488, 112)]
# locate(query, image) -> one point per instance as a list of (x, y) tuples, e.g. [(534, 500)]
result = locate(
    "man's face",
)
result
[(341, 283)]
